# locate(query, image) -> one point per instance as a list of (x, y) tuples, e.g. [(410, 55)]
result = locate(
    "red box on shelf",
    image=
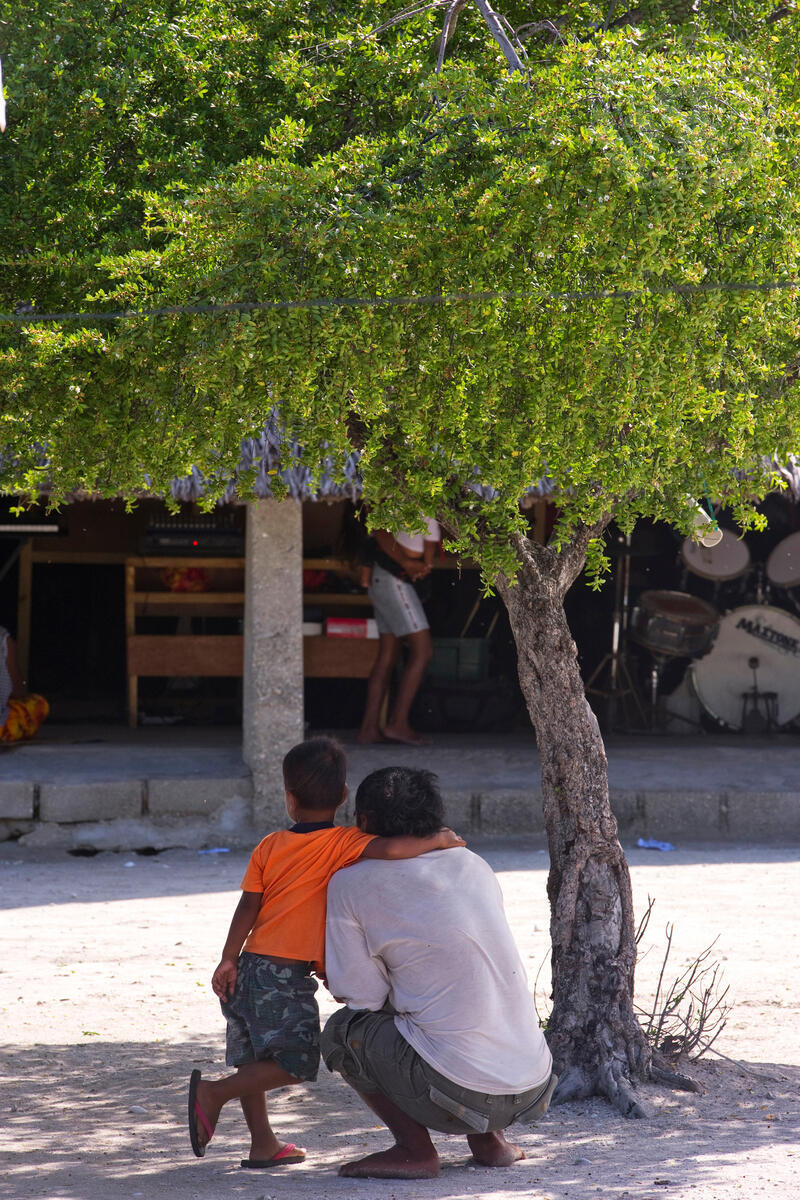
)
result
[(350, 627)]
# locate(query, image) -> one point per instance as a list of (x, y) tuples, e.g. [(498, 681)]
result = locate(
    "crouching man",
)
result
[(439, 1031)]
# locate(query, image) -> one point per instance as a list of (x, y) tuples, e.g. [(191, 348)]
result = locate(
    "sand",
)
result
[(106, 1007)]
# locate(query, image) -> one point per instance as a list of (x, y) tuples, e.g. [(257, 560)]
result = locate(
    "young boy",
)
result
[(267, 993)]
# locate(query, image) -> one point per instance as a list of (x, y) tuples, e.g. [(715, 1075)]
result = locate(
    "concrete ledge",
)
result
[(16, 800), (494, 812), (196, 796), (70, 802), (767, 816)]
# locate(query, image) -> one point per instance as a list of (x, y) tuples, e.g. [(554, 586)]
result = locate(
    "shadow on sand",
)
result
[(70, 1132)]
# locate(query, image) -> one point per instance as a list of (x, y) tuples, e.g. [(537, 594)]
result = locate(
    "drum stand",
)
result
[(759, 709), (614, 665)]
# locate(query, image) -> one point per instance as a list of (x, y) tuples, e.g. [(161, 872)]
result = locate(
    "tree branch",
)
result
[(573, 555), (498, 33), (449, 28)]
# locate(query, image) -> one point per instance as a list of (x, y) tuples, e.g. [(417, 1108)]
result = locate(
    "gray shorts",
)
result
[(371, 1055), (398, 608), (273, 1014)]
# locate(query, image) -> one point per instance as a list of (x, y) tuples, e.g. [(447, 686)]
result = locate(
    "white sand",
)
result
[(106, 1005)]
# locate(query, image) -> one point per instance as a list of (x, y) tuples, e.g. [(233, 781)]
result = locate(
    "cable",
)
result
[(24, 317)]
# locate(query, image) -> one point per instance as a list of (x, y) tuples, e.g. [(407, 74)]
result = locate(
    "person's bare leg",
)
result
[(413, 1155), (263, 1142), (492, 1149), (377, 686), (250, 1080), (420, 653)]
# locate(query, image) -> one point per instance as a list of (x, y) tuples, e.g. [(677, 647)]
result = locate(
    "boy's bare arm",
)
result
[(405, 846), (223, 980)]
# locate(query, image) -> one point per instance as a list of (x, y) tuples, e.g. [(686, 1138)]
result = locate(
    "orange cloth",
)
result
[(24, 718), (293, 871)]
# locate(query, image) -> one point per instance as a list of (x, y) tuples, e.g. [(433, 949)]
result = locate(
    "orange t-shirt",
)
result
[(293, 871)]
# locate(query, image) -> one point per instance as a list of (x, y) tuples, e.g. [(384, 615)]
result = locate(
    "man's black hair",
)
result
[(315, 773), (401, 800)]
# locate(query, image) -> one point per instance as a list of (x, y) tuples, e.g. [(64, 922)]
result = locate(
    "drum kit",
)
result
[(744, 645)]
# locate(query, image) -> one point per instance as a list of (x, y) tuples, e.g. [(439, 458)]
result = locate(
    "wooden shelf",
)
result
[(185, 560), (357, 599), (181, 599), (179, 655), (341, 565), (338, 658), (79, 557)]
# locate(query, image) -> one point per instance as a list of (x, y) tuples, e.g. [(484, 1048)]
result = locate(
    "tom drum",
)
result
[(730, 559), (783, 564)]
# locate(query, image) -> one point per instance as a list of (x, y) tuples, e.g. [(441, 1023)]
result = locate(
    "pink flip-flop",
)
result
[(196, 1114), (289, 1154)]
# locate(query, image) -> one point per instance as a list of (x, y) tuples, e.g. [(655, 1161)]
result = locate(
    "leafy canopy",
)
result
[(633, 159)]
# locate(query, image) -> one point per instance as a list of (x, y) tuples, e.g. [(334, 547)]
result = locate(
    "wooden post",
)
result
[(24, 608), (130, 630)]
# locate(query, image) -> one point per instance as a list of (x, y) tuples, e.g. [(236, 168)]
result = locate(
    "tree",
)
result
[(574, 237)]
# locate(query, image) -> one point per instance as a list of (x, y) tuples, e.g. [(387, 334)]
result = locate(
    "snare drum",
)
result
[(730, 559), (674, 624)]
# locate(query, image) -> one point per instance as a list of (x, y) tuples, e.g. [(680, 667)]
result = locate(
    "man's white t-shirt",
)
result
[(429, 935), (416, 541)]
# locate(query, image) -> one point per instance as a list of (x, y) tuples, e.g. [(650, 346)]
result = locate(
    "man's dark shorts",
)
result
[(273, 1014), (371, 1055)]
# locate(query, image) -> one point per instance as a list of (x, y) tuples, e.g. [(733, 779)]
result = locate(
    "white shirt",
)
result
[(429, 935), (416, 541)]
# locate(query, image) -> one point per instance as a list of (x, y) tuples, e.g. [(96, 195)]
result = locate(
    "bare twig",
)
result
[(645, 921), (692, 1011), (550, 30), (535, 987)]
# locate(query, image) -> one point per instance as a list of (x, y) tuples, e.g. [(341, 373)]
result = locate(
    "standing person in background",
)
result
[(20, 714), (398, 562)]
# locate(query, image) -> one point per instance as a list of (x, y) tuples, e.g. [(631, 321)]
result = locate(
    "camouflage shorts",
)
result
[(273, 1014)]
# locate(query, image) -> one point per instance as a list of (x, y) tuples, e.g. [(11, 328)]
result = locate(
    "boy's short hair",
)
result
[(401, 800), (315, 772)]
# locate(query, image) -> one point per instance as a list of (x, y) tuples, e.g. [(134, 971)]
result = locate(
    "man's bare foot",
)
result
[(368, 737), (397, 1163), (405, 735), (492, 1150)]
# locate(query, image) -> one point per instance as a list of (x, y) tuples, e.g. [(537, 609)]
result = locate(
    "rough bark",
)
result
[(598, 1044)]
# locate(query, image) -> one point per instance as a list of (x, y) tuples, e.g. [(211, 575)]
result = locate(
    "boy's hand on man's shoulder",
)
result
[(223, 981), (450, 839)]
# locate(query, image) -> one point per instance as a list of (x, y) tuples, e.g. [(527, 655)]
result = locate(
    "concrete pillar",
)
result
[(273, 650)]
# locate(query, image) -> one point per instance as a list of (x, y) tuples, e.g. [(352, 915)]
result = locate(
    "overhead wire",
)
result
[(27, 315)]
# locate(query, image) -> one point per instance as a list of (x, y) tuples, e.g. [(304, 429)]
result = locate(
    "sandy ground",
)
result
[(106, 1006)]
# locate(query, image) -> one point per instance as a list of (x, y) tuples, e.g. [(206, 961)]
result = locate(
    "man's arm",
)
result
[(223, 980), (405, 846), (353, 975), (415, 568)]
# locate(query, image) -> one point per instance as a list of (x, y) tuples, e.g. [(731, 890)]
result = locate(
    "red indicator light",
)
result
[(194, 543)]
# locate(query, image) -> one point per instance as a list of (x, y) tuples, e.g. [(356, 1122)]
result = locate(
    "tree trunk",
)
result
[(597, 1043)]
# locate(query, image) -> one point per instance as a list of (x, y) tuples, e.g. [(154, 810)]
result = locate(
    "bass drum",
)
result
[(755, 644), (729, 559)]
